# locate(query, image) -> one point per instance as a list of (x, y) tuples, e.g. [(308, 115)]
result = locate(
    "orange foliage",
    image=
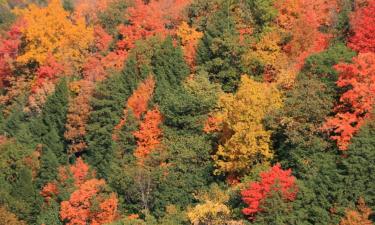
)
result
[(149, 134), (358, 217), (137, 103), (89, 9), (189, 40), (303, 18), (212, 124), (356, 103), (78, 114), (149, 19), (102, 38), (81, 208), (49, 191), (80, 171)]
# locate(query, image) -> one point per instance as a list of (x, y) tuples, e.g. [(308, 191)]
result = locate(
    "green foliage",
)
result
[(113, 16), (263, 12), (321, 64), (220, 53), (358, 166)]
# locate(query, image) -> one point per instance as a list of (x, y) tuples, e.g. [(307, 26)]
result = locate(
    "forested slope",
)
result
[(202, 112)]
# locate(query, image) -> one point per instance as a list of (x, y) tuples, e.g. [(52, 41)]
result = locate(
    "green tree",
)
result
[(219, 51)]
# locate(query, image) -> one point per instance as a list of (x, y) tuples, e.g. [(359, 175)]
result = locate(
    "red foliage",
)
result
[(363, 26), (102, 38), (9, 45), (276, 179), (356, 103), (149, 134), (47, 72)]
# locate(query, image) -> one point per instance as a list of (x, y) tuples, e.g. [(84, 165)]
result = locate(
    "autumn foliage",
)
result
[(137, 103), (244, 140), (359, 216), (357, 102), (274, 180), (149, 134), (362, 23), (78, 114), (49, 31)]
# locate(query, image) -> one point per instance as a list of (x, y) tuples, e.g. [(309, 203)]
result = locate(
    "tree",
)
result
[(212, 208), (88, 205), (83, 199), (189, 41), (149, 134), (9, 45), (359, 216), (362, 24), (356, 103), (9, 218), (50, 31), (244, 140), (219, 51), (357, 166), (78, 114), (273, 180)]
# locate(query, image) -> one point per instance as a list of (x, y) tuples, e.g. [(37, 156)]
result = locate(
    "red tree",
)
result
[(9, 44), (363, 27), (149, 134), (355, 104), (276, 179)]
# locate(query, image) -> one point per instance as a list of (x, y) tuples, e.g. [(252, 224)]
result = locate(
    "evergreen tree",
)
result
[(219, 52), (358, 166)]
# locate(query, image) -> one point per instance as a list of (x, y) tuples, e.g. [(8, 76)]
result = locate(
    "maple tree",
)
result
[(359, 216), (50, 31), (137, 103), (356, 103), (78, 114), (273, 180), (149, 134), (79, 208), (9, 45), (244, 141), (362, 25), (189, 40)]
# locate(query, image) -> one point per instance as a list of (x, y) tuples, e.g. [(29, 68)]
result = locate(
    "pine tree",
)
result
[(219, 52)]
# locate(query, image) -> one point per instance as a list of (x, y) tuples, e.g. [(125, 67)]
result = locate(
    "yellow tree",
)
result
[(50, 31), (244, 140)]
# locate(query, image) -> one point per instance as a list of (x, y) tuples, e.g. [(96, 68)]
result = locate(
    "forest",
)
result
[(187, 112)]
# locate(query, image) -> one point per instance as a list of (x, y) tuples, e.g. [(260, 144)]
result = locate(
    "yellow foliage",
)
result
[(188, 34), (244, 141), (212, 210), (50, 31), (267, 50), (8, 218)]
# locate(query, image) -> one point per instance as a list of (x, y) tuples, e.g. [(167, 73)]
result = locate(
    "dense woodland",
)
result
[(177, 112)]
